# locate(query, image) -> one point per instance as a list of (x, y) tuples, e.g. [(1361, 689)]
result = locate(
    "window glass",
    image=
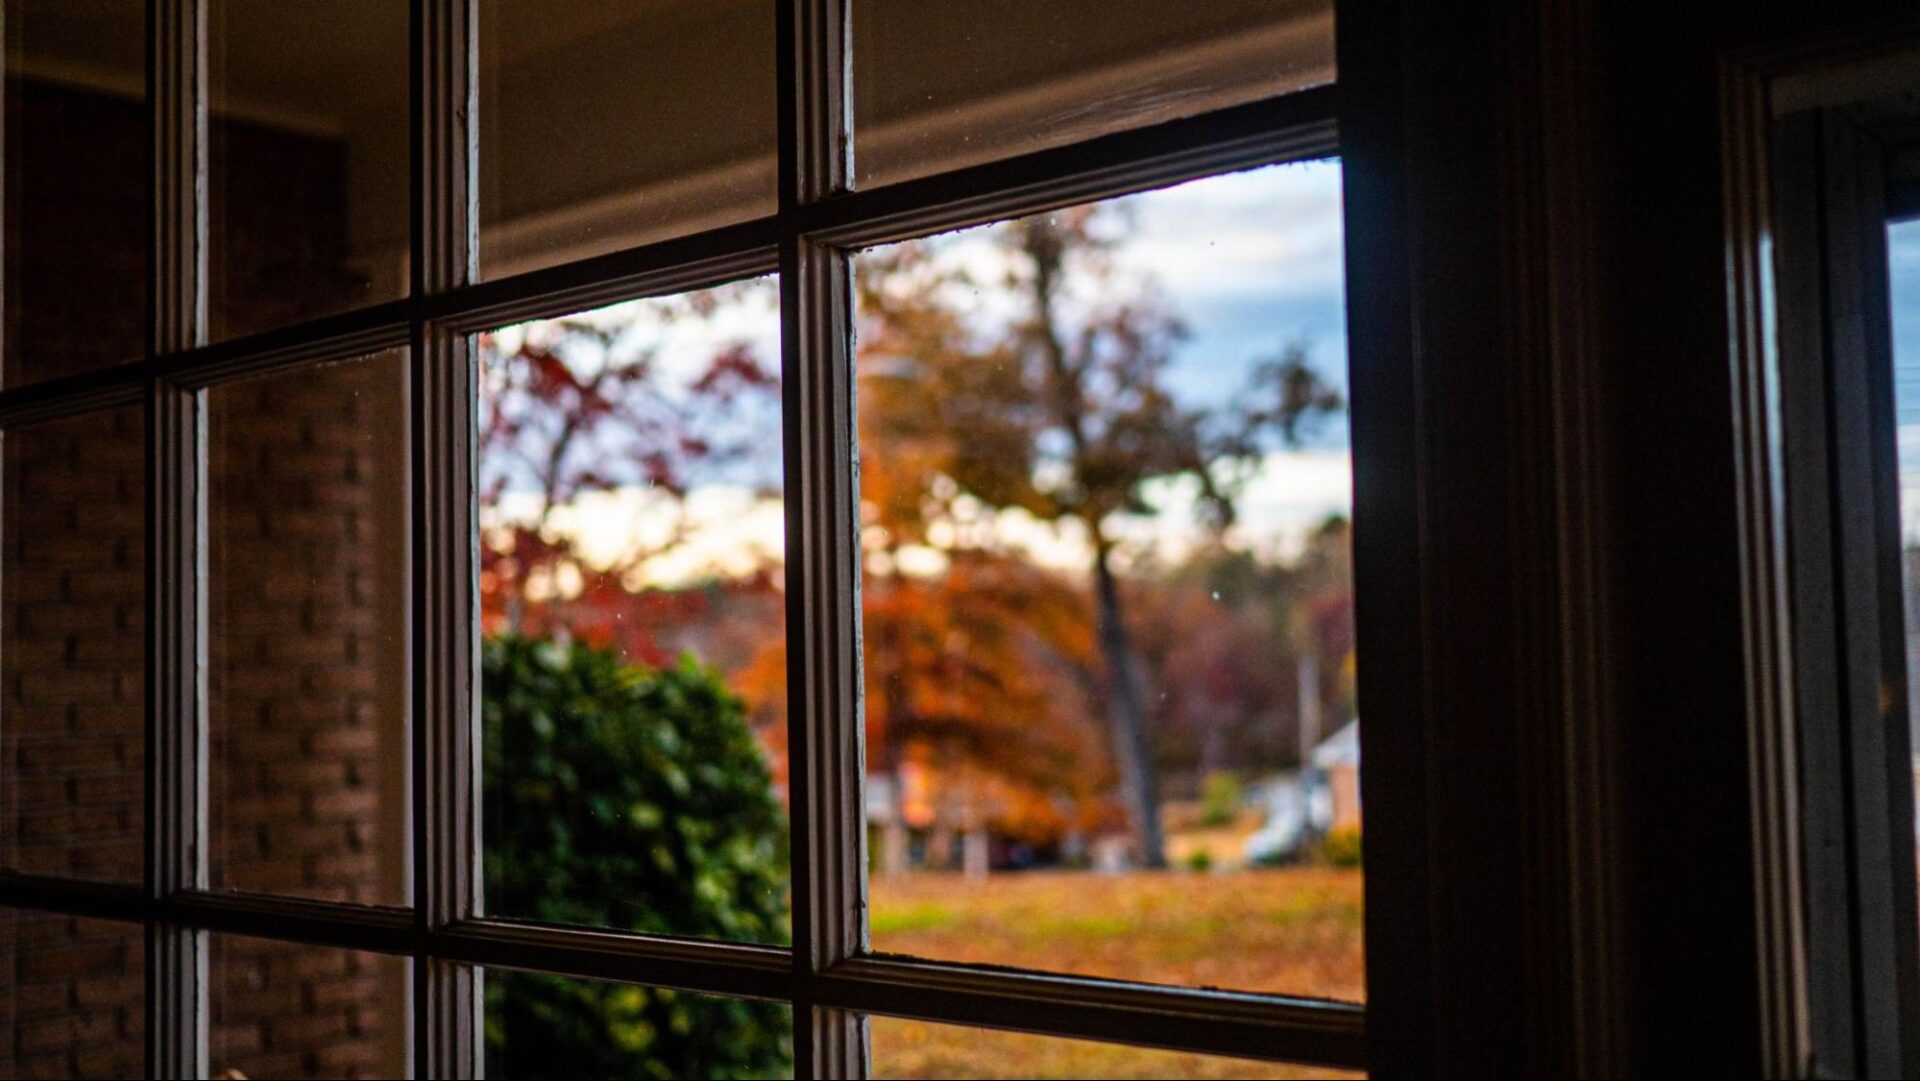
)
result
[(72, 996), (76, 233), (73, 647), (940, 86), (916, 1049), (557, 1026), (1903, 261), (605, 125), (631, 551), (307, 159), (307, 632), (286, 1009), (1107, 597)]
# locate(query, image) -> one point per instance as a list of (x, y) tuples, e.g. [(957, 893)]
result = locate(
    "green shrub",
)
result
[(1200, 860), (1341, 847), (1221, 797), (625, 797)]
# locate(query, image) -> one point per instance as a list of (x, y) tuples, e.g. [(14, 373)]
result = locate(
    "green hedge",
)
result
[(1341, 847), (632, 798)]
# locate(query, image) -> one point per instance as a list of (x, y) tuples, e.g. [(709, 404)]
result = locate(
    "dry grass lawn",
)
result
[(1292, 930)]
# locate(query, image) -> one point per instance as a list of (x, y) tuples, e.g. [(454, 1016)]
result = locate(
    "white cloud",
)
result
[(723, 530), (1275, 231)]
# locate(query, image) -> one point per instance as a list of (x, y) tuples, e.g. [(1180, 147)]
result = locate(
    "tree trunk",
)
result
[(1127, 714), (1126, 697)]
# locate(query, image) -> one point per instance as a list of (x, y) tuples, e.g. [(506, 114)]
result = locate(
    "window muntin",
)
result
[(811, 240)]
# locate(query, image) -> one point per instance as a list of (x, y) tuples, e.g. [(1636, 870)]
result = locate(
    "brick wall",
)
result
[(344, 1025), (307, 641), (70, 997), (307, 663), (72, 642)]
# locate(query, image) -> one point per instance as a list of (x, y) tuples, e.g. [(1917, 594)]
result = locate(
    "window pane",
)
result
[(76, 233), (940, 86), (541, 1026), (307, 156), (914, 1049), (72, 997), (285, 1009), (72, 647), (1108, 614), (307, 634), (1903, 265), (631, 545), (603, 126)]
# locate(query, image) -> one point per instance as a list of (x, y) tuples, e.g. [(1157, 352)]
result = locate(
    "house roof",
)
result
[(1340, 749)]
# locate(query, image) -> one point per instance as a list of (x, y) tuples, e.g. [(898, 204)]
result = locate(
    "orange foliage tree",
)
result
[(1052, 404), (1062, 410)]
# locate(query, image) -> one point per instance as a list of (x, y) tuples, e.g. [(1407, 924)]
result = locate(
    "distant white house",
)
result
[(1338, 759), (1301, 806)]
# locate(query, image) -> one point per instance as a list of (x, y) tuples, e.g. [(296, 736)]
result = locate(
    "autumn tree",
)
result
[(977, 674), (599, 403), (1061, 408), (969, 642), (615, 760)]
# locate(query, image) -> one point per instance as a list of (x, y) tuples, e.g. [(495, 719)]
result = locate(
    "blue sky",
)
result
[(1252, 261), (1903, 250), (1903, 258)]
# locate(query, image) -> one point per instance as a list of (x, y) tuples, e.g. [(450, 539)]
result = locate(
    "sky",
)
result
[(1250, 262), (1903, 261)]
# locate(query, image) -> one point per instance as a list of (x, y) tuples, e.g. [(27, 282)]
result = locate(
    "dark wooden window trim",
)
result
[(828, 975), (1839, 942)]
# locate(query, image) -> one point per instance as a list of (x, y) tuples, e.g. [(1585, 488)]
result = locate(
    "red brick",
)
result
[(337, 803), (106, 584), (59, 618), (342, 741), (109, 990)]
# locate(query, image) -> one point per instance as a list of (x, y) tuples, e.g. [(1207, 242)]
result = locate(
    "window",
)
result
[(66, 222), (1903, 280), (286, 1009), (1106, 600), (917, 1049), (455, 647), (1840, 186), (931, 91), (76, 1001)]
